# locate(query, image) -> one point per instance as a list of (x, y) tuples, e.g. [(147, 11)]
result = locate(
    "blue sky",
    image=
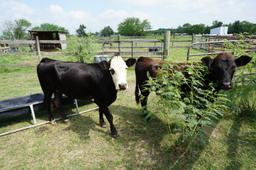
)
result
[(96, 14)]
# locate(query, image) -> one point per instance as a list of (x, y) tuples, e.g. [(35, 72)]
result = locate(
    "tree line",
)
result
[(236, 27), (130, 26)]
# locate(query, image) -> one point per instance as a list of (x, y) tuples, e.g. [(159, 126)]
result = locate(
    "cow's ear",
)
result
[(104, 65), (130, 62), (207, 61), (242, 60), (61, 68)]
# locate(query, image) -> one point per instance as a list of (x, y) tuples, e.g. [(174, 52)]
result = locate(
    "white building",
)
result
[(222, 30)]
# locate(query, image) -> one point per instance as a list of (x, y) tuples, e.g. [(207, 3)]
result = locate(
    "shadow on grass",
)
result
[(143, 141), (233, 145), (246, 140), (81, 125)]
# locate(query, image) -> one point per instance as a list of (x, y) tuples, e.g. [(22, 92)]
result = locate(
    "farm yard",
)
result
[(230, 143)]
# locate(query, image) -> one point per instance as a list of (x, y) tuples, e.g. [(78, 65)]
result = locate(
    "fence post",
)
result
[(38, 48), (119, 43), (172, 39), (132, 49), (166, 43), (188, 53)]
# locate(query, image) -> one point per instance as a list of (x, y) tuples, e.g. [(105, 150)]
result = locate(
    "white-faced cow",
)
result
[(220, 71), (98, 81)]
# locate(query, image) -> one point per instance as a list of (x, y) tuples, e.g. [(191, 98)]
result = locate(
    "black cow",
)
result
[(220, 71), (99, 81)]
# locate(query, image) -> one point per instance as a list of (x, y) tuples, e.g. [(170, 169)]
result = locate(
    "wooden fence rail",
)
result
[(137, 46), (213, 52)]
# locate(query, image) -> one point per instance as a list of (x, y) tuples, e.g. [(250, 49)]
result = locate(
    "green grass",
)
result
[(82, 144)]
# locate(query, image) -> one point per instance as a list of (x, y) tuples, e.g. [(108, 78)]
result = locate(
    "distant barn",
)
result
[(50, 35), (222, 30)]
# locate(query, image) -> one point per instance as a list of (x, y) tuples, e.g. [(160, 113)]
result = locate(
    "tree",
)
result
[(81, 31), (20, 28), (16, 29), (133, 27), (107, 31), (8, 28), (49, 27), (216, 23), (197, 29), (186, 28)]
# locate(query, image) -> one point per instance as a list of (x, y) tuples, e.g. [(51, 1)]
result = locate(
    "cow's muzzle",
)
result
[(122, 86), (226, 85)]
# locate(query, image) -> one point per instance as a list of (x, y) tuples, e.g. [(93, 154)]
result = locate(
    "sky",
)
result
[(96, 14)]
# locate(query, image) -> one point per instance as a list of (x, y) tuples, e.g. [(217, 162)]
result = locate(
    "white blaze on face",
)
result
[(118, 70)]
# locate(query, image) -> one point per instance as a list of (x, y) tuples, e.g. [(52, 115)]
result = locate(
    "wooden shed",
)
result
[(45, 36)]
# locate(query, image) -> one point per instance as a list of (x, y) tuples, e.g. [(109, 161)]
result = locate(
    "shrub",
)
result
[(243, 96), (183, 101), (84, 48)]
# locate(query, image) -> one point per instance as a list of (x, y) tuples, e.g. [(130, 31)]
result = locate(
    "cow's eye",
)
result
[(112, 71)]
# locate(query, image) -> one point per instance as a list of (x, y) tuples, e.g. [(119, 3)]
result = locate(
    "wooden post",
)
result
[(38, 48), (166, 43), (188, 53), (132, 49), (172, 39), (119, 43)]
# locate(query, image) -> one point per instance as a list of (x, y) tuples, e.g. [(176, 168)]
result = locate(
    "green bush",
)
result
[(244, 74), (84, 48), (183, 101), (243, 100)]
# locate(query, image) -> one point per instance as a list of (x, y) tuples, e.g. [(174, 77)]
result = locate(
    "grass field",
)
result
[(82, 144)]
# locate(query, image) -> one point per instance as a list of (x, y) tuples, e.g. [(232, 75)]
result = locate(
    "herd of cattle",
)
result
[(101, 81)]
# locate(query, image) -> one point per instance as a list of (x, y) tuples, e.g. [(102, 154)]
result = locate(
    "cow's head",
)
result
[(154, 68), (222, 68), (118, 70)]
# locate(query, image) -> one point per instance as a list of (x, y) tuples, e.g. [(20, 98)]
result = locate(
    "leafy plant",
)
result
[(84, 48), (247, 73), (243, 97), (183, 99)]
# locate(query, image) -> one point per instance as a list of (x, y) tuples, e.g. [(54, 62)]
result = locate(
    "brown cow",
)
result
[(221, 70)]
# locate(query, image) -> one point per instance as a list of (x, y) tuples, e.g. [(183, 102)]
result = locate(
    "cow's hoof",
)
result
[(103, 125), (53, 122), (114, 135), (66, 120)]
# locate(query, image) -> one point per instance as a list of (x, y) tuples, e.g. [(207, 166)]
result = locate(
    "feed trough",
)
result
[(15, 107)]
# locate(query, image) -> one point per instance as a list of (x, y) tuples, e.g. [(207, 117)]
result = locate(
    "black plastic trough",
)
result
[(28, 105), (22, 106), (16, 107)]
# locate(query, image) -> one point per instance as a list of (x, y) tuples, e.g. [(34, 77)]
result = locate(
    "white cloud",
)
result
[(14, 9), (121, 14), (78, 15), (55, 9), (161, 13), (113, 17)]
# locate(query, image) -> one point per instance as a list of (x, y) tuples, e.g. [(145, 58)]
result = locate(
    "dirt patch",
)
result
[(42, 129)]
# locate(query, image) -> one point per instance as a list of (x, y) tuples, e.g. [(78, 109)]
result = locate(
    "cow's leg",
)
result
[(144, 100), (102, 122), (57, 101), (47, 102), (110, 120)]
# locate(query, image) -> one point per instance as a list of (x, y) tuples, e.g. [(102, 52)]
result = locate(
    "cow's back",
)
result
[(77, 80)]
